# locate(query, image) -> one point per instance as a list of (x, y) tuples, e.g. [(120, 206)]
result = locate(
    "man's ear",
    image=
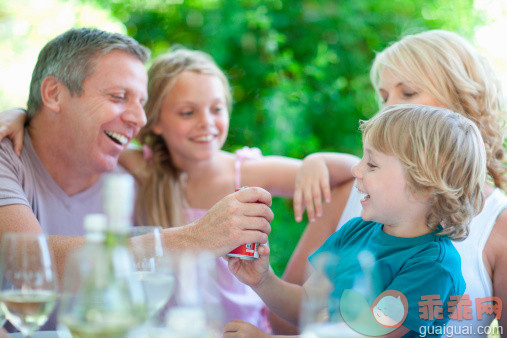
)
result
[(51, 93)]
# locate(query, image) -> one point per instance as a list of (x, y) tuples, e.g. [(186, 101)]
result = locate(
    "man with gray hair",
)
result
[(85, 105)]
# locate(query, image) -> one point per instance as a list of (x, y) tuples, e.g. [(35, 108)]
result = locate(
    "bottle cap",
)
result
[(95, 227)]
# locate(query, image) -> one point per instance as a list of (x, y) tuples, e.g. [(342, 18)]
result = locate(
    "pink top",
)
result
[(239, 300)]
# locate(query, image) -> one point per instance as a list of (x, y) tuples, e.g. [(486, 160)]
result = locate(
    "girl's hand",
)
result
[(251, 272), (240, 329), (12, 124), (312, 184)]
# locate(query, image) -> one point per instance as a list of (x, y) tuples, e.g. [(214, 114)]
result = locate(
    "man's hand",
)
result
[(239, 218)]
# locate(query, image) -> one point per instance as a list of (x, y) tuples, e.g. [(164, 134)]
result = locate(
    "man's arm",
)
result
[(239, 218), (20, 218)]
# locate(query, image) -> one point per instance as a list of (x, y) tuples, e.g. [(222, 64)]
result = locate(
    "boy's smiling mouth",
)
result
[(365, 195)]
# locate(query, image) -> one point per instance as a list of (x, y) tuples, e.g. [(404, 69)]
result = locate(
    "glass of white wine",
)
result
[(154, 267), (29, 286)]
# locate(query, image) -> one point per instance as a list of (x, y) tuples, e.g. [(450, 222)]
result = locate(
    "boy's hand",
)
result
[(241, 329), (312, 184), (12, 124), (251, 272)]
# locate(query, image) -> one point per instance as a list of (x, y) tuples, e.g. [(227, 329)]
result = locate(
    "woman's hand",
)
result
[(312, 184), (12, 124)]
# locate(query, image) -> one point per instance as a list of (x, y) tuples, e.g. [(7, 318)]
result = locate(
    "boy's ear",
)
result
[(51, 92), (156, 128)]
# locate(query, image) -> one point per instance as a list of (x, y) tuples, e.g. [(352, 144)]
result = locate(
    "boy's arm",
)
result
[(281, 297), (12, 124)]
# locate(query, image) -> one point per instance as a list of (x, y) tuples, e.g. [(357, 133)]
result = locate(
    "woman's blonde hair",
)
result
[(161, 195), (443, 157), (445, 66)]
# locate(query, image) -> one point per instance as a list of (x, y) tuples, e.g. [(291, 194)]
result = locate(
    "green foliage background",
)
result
[(299, 69)]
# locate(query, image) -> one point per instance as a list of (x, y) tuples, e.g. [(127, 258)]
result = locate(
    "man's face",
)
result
[(107, 115)]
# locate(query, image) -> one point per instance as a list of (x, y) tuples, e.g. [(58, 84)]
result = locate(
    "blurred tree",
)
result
[(299, 68)]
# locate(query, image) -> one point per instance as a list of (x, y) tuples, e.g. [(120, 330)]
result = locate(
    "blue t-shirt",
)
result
[(417, 267)]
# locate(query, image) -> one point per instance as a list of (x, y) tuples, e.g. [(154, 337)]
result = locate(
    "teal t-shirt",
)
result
[(427, 265)]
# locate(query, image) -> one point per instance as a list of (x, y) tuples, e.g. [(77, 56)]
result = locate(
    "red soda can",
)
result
[(246, 251)]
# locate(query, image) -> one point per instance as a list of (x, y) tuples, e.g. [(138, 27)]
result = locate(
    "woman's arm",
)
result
[(496, 257), (316, 233)]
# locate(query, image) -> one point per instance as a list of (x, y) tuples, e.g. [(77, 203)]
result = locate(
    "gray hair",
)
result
[(70, 59)]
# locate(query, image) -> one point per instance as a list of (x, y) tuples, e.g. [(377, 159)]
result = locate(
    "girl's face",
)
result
[(395, 90), (381, 178), (194, 120)]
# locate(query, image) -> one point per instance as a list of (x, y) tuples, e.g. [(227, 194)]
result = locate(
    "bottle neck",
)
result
[(114, 238)]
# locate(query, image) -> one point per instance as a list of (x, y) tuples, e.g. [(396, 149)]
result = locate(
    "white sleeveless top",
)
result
[(352, 208), (479, 284)]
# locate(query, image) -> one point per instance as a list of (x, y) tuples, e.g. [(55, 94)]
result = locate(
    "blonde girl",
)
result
[(186, 171)]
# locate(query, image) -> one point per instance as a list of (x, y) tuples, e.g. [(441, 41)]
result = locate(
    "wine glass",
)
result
[(154, 267), (28, 290), (195, 309)]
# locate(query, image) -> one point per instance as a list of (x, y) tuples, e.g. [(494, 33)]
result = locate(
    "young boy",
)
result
[(422, 175)]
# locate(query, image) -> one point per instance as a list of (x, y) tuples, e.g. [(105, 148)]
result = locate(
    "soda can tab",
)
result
[(246, 251)]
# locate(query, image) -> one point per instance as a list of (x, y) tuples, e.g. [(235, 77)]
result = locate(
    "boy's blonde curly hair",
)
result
[(443, 156)]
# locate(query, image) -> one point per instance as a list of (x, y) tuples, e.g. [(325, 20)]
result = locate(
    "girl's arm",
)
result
[(12, 123), (320, 172), (134, 162), (281, 176), (281, 297)]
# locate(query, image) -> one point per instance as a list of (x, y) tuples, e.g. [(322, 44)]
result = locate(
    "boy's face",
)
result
[(387, 199)]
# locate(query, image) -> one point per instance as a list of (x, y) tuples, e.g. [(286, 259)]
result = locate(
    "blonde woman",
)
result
[(440, 68)]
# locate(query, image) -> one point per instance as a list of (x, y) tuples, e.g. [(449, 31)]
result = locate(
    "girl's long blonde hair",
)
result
[(448, 68), (160, 199)]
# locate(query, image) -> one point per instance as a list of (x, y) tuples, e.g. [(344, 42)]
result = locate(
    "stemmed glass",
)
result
[(153, 267), (28, 290)]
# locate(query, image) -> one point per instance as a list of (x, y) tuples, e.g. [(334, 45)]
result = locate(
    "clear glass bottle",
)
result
[(101, 295)]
